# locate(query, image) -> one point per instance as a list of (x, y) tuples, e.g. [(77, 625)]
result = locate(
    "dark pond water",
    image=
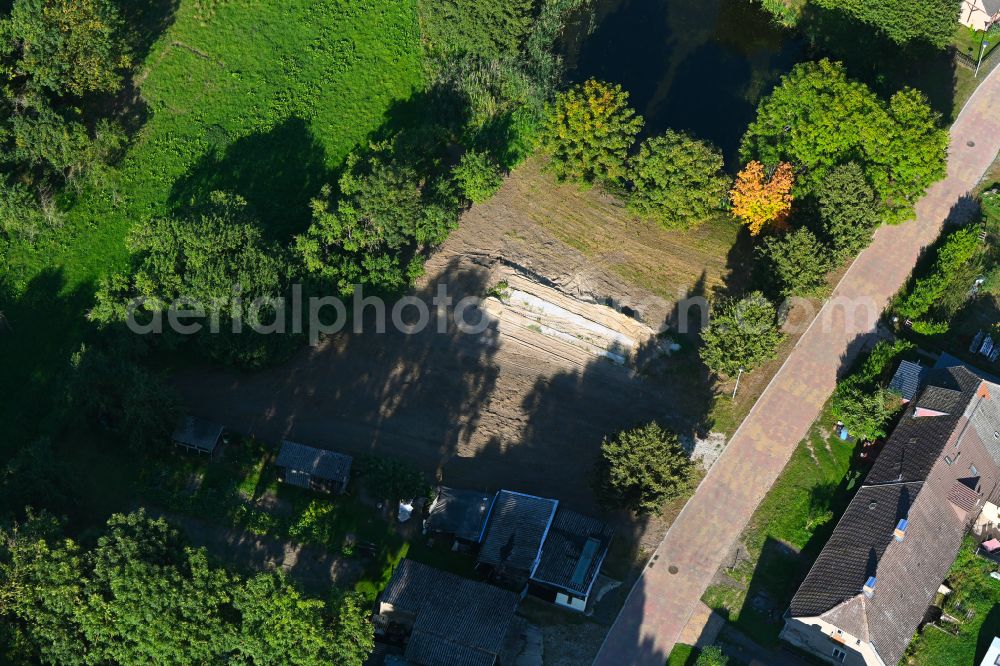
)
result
[(694, 65)]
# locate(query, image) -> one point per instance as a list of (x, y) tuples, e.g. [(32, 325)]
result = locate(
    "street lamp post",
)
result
[(982, 51), (735, 388)]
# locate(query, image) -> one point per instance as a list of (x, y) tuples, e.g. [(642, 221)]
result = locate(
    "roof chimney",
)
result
[(900, 531), (869, 588)]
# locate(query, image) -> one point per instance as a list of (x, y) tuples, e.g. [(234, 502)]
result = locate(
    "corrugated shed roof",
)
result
[(321, 463), (430, 650), (459, 512), (517, 527), (573, 552), (198, 433), (454, 615)]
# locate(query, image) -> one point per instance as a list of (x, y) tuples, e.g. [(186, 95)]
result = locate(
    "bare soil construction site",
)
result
[(570, 356)]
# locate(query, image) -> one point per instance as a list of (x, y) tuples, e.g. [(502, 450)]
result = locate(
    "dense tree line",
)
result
[(818, 119), (138, 595), (60, 63), (931, 22), (589, 134), (925, 302)]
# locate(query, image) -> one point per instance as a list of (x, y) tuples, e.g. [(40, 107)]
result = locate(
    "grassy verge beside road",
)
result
[(785, 534)]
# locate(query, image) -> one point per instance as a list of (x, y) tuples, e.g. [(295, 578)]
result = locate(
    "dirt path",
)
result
[(665, 596)]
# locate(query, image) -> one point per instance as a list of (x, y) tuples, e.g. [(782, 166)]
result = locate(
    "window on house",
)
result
[(948, 460), (973, 471), (839, 654)]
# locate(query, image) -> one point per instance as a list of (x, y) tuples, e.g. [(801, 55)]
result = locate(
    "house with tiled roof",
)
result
[(446, 620), (873, 582), (533, 543)]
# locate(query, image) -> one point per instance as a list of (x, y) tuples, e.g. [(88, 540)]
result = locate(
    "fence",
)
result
[(989, 61)]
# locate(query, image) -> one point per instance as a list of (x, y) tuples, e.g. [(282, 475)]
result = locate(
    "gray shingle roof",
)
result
[(198, 433), (908, 378), (916, 443), (992, 7), (573, 552), (946, 360), (915, 478), (855, 547), (459, 512), (458, 621), (517, 527), (321, 463)]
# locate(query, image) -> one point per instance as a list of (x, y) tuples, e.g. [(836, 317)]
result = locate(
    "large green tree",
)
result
[(56, 59), (848, 209), (121, 397), (741, 334), (588, 132), (643, 468), (215, 258), (65, 47), (819, 119), (139, 596), (862, 401), (367, 234), (797, 262), (676, 180)]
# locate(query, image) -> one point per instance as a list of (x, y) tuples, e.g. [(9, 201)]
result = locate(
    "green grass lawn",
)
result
[(682, 655), (261, 98), (973, 592), (786, 533)]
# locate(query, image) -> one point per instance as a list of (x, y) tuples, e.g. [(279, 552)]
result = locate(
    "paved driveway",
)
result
[(669, 589)]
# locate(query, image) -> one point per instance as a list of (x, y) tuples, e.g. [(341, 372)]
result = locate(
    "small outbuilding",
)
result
[(572, 556), (461, 514), (908, 380), (518, 526), (312, 468), (198, 434)]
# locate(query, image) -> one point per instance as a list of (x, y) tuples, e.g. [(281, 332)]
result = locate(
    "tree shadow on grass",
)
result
[(989, 630), (146, 21), (278, 172)]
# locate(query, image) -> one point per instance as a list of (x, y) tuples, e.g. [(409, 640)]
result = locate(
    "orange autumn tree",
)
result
[(758, 200)]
